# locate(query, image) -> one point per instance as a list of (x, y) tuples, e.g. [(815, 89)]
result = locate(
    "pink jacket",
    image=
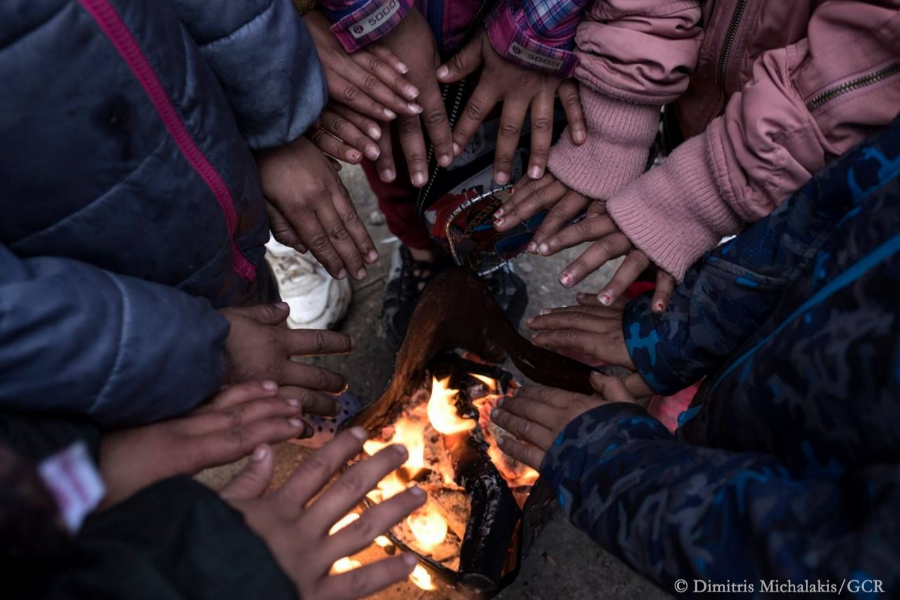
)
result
[(768, 91)]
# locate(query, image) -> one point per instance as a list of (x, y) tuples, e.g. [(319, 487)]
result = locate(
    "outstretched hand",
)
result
[(519, 89), (295, 520), (537, 415), (531, 197), (223, 430)]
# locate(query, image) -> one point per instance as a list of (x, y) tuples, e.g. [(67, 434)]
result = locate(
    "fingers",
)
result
[(306, 342), (312, 377), (240, 393), (316, 237), (228, 445), (359, 235), (254, 478), (339, 237), (331, 145), (572, 341), (578, 320), (571, 102), (311, 403), (364, 124), (434, 115), (350, 488), (511, 119), (637, 387), (372, 523), (529, 199), (282, 230), (266, 314), (588, 229), (384, 83), (611, 388), (412, 142), (597, 255), (463, 63), (315, 471), (336, 123), (368, 579), (343, 91), (524, 429), (240, 414), (541, 134), (387, 169), (527, 408), (596, 309), (524, 453), (388, 56), (635, 263), (479, 106), (548, 395), (665, 285), (561, 215)]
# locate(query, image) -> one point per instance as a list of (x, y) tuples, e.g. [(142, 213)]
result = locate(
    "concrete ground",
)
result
[(564, 563)]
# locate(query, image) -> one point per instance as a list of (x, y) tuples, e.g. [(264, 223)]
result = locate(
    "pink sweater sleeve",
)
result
[(634, 57), (775, 135)]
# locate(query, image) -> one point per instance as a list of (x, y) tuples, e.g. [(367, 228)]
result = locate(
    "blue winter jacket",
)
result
[(130, 201), (786, 468)]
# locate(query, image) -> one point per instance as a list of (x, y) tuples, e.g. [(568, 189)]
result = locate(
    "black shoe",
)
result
[(408, 278)]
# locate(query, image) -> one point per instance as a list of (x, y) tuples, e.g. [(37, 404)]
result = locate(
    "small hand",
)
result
[(260, 347), (345, 134), (519, 89), (309, 208), (531, 197), (221, 431), (412, 38), (590, 334), (608, 243), (369, 81), (294, 520), (537, 415)]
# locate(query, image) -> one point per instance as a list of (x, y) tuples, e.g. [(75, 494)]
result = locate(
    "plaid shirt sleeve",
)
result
[(537, 33), (360, 22)]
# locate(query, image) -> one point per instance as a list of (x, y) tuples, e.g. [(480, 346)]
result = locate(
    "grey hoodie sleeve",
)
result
[(80, 340), (264, 57)]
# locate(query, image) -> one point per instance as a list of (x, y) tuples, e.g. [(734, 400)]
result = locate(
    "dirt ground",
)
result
[(565, 563)]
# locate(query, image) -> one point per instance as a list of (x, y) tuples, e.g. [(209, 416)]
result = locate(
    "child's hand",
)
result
[(519, 89), (221, 431), (608, 243), (339, 132), (309, 208), (537, 415), (369, 81), (295, 519), (412, 39), (534, 195), (260, 347)]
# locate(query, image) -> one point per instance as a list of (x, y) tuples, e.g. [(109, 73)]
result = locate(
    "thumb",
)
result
[(254, 478), (268, 314), (463, 62), (610, 388)]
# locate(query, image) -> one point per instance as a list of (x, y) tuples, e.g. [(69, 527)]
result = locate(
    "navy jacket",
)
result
[(787, 465), (131, 205)]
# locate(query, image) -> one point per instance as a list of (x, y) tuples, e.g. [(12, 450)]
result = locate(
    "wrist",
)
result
[(511, 37)]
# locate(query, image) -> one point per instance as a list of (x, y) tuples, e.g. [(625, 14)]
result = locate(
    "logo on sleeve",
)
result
[(538, 60), (372, 22)]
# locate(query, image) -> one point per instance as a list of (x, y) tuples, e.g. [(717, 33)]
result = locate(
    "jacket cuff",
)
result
[(513, 40), (676, 212), (615, 153), (371, 21)]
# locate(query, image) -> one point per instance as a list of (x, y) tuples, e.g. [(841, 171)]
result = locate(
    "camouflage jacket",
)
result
[(785, 467)]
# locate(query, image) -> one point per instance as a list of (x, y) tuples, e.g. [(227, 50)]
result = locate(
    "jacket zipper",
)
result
[(854, 84), (118, 33), (730, 35)]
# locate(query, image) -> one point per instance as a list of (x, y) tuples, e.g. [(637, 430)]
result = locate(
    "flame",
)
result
[(342, 565), (422, 578), (428, 526), (490, 383), (383, 541), (346, 520), (442, 409)]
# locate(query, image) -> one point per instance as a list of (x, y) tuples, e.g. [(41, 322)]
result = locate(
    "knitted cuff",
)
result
[(619, 137), (676, 212)]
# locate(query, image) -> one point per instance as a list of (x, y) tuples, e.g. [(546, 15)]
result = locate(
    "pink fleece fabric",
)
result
[(619, 135), (677, 211)]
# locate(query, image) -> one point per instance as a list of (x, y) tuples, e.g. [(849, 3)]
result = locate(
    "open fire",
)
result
[(433, 425)]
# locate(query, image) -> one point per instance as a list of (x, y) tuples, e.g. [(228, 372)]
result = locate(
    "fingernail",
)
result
[(293, 402), (373, 153), (409, 559), (581, 295), (443, 71), (532, 247), (456, 149), (565, 279), (361, 274), (444, 160), (494, 414), (415, 108), (359, 433), (579, 136), (269, 386), (544, 249), (545, 311), (498, 214), (535, 172), (501, 401), (400, 451), (417, 491), (418, 179), (501, 177), (390, 114), (605, 299), (372, 257), (296, 423), (529, 320), (402, 67), (259, 454), (499, 221), (411, 92), (354, 155), (282, 306), (342, 274), (375, 133), (659, 307), (387, 175)]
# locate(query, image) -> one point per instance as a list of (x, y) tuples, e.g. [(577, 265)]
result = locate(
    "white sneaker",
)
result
[(316, 299)]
